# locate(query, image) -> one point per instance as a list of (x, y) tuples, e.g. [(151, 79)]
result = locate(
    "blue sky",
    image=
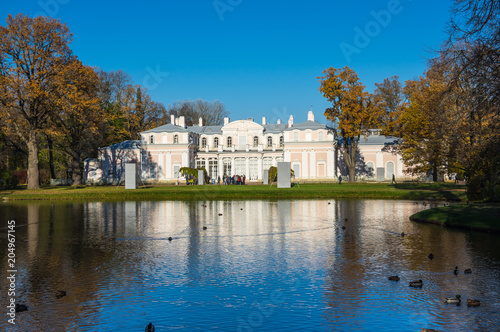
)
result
[(260, 58)]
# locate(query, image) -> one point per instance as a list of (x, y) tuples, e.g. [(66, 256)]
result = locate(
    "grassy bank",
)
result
[(481, 217), (413, 191)]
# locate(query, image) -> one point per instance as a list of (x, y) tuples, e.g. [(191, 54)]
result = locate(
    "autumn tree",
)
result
[(32, 52), (129, 108), (79, 117), (353, 110), (211, 112), (425, 123), (390, 97)]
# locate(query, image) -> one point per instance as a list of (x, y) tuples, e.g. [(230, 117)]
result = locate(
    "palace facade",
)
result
[(243, 147)]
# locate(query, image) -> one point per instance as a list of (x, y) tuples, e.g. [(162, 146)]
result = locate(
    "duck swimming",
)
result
[(455, 272), (416, 283), (455, 299), (60, 294), (467, 271), (21, 307), (394, 278), (473, 303), (150, 328)]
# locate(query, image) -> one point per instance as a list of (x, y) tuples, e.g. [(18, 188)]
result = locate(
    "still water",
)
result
[(308, 265)]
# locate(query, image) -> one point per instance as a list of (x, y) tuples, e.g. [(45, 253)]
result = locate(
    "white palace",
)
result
[(243, 147)]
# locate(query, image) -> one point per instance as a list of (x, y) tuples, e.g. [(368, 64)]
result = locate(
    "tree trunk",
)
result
[(50, 144), (434, 174), (350, 154), (33, 172), (76, 175)]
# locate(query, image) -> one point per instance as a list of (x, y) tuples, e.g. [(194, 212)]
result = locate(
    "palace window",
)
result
[(151, 139), (216, 142), (255, 141), (282, 140), (229, 141), (269, 142), (295, 137), (203, 142), (176, 139)]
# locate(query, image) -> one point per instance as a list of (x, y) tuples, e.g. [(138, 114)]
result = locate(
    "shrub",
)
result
[(483, 181), (44, 176), (8, 180), (21, 176), (194, 172), (273, 172)]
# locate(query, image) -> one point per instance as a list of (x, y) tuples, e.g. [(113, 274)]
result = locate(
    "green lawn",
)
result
[(411, 191), (484, 217)]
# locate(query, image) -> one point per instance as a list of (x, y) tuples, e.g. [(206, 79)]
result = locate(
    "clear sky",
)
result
[(260, 58)]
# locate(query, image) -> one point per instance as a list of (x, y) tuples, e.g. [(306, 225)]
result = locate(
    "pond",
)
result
[(302, 265)]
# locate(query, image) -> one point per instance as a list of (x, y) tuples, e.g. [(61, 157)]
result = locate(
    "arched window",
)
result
[(370, 170), (216, 142), (269, 141), (282, 141), (255, 141), (295, 137), (151, 139), (176, 139), (203, 142), (390, 170), (229, 141), (321, 136)]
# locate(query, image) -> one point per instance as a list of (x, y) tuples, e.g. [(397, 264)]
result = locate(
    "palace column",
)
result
[(330, 163), (259, 167), (247, 168), (168, 166), (312, 160), (305, 165)]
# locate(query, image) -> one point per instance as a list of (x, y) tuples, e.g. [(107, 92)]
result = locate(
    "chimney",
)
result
[(290, 121), (263, 120), (310, 116), (200, 122), (176, 121), (172, 119), (182, 122), (279, 121), (226, 120)]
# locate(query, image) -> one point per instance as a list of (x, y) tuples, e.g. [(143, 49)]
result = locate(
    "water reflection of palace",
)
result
[(107, 253)]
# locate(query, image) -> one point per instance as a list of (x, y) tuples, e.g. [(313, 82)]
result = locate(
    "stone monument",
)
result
[(130, 176), (201, 177), (284, 174)]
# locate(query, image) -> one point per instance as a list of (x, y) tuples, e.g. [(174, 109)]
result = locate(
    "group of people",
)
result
[(235, 179)]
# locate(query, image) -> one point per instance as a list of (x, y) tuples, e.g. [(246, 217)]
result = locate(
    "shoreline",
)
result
[(414, 191), (477, 217)]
